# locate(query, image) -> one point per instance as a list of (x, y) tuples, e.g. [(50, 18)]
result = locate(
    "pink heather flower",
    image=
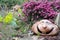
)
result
[(37, 10)]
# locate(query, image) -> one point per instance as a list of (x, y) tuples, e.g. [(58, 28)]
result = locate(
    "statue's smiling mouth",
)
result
[(46, 32)]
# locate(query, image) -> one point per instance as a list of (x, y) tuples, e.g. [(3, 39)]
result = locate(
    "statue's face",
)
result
[(45, 26)]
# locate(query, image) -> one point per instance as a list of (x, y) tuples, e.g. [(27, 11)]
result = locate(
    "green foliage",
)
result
[(20, 12), (10, 3), (22, 26), (7, 31), (11, 25), (1, 18)]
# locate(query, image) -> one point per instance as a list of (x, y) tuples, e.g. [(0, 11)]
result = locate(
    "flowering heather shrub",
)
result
[(56, 6), (37, 10)]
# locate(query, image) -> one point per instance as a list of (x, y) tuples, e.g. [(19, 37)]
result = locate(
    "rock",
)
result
[(16, 7), (57, 20), (30, 33), (15, 38), (34, 37), (43, 39)]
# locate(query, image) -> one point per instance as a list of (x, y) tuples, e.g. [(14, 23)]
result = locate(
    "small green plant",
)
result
[(11, 25), (8, 18)]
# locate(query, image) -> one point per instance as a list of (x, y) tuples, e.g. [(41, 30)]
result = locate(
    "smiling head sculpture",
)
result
[(45, 27)]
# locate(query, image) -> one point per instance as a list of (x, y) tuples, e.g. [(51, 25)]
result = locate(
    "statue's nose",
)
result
[(45, 27)]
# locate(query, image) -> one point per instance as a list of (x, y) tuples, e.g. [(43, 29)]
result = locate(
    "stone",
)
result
[(57, 20), (43, 39), (16, 7)]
